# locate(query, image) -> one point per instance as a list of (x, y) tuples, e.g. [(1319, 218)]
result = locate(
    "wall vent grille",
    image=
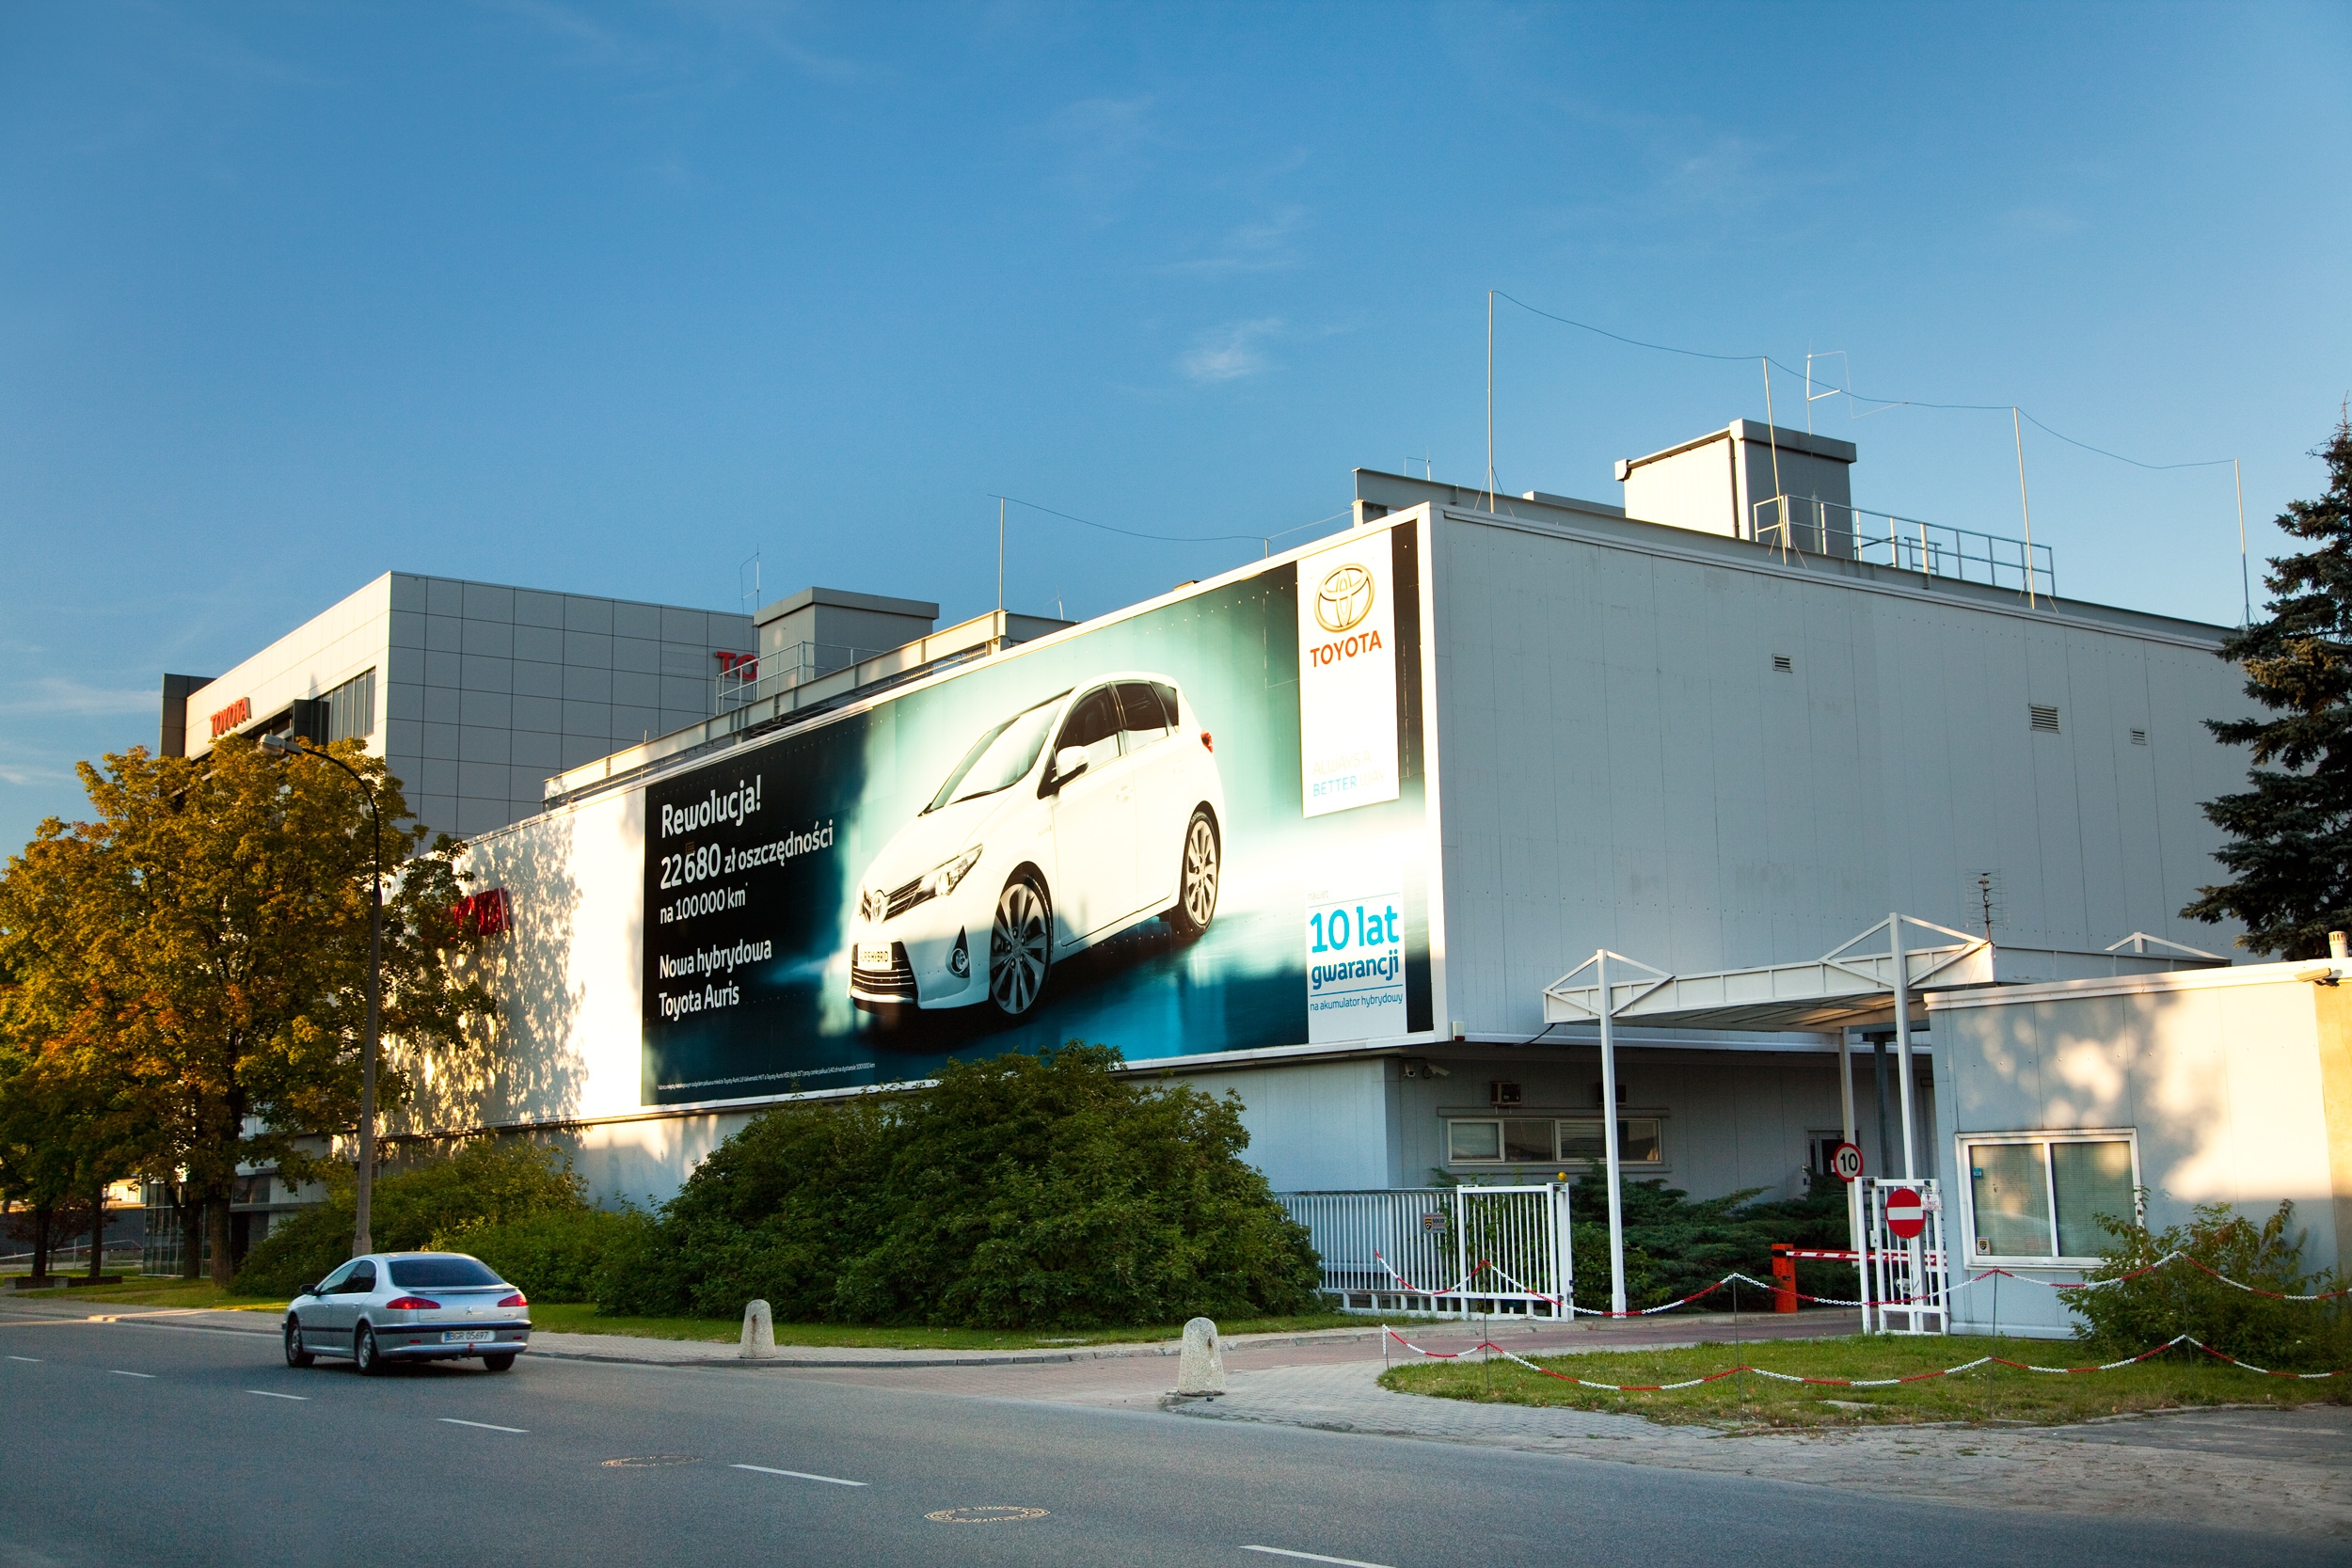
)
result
[(2044, 719), (1783, 664)]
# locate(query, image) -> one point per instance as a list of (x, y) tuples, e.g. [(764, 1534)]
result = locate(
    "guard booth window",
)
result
[(2041, 1196)]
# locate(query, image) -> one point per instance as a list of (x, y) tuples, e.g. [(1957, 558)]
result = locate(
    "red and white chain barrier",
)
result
[(2178, 1339), (1570, 1307)]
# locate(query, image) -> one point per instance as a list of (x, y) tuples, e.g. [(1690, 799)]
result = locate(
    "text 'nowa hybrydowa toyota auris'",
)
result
[(1032, 851)]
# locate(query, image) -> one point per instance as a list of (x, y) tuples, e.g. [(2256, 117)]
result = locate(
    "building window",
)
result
[(351, 708), (2040, 1198), (1571, 1141)]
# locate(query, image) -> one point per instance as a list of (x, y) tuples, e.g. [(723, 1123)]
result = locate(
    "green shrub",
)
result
[(494, 1178), (553, 1255), (2284, 1336), (1021, 1192), (1673, 1246)]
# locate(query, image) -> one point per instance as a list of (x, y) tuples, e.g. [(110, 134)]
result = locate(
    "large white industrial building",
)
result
[(1479, 737)]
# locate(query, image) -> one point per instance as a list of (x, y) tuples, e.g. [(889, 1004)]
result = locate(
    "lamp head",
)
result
[(283, 745)]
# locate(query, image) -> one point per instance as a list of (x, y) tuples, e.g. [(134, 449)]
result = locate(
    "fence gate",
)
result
[(1905, 1273), (1442, 1250)]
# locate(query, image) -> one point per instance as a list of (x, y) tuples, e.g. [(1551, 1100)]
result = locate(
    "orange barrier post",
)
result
[(1783, 1279)]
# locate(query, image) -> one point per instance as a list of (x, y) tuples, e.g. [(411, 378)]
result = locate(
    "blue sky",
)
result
[(606, 298)]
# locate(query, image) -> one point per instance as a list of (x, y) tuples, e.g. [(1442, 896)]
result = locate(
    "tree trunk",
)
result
[(98, 1233), (190, 1208), (216, 1232), (40, 1243)]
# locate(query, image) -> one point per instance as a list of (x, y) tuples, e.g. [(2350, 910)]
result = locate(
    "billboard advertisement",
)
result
[(1200, 827)]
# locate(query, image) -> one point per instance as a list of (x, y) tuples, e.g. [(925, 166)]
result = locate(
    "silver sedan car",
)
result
[(391, 1307)]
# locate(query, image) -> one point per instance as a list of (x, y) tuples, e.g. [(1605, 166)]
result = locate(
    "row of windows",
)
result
[(1522, 1140)]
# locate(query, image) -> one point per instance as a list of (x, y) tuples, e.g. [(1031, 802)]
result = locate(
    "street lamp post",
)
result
[(362, 1241)]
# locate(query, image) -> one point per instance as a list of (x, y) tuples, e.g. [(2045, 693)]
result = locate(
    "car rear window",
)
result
[(412, 1274)]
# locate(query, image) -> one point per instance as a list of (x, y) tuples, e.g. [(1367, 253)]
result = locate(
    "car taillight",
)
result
[(412, 1303), (1207, 744), (514, 1300)]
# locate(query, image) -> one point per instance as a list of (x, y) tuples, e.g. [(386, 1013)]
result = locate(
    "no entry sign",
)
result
[(1906, 1216), (1845, 1162)]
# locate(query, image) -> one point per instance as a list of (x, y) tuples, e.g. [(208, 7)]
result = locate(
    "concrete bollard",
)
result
[(759, 1332), (1201, 1371)]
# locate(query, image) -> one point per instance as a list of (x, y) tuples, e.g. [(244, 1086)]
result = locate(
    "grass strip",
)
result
[(580, 1317), (2182, 1379)]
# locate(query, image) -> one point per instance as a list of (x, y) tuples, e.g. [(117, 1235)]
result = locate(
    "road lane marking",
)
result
[(451, 1420), (798, 1475), (35, 1359), (267, 1395), (1315, 1557), (119, 1372)]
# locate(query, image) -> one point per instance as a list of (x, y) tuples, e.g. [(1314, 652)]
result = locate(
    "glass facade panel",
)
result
[(2092, 1178), (2011, 1199), (1473, 1141), (1527, 1140), (351, 708)]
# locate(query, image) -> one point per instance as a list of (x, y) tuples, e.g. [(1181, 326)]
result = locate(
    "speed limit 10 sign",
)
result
[(1845, 1162)]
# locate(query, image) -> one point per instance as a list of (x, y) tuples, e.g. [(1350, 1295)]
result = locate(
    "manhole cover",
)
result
[(985, 1515), (650, 1460)]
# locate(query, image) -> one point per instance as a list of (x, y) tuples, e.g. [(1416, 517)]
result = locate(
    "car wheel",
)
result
[(296, 1354), (1196, 886), (1019, 947), (363, 1352), (499, 1362)]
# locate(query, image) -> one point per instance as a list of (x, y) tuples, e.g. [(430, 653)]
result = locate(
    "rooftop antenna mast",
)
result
[(1000, 554), (2024, 506), (2245, 577), (1490, 400), (749, 597), (1812, 397)]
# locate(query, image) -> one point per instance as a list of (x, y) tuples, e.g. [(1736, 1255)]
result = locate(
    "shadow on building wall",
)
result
[(522, 1063)]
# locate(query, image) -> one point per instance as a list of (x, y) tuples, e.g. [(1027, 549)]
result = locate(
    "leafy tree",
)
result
[(200, 950), (431, 1203), (1023, 1191), (2290, 846)]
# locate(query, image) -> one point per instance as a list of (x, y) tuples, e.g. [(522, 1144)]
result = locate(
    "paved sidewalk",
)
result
[(2281, 1471)]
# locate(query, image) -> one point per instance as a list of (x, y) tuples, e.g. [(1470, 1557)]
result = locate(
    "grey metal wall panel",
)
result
[(1624, 766)]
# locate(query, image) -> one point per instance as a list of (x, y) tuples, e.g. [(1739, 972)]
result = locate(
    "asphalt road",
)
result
[(127, 1446)]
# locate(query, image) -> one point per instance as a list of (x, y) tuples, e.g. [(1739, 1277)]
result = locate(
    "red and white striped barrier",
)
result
[(1461, 1286), (2177, 1340)]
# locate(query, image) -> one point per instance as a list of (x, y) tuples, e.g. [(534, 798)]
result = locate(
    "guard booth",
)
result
[(1879, 980)]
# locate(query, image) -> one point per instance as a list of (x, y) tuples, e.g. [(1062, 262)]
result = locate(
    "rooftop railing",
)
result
[(1808, 527)]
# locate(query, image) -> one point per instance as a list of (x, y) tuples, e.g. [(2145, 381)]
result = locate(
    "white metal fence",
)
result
[(1442, 1250)]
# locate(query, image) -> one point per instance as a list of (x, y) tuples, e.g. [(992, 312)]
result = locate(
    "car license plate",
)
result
[(872, 957), (468, 1336)]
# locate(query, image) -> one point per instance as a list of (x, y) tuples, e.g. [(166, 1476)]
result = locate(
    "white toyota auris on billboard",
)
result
[(1069, 822)]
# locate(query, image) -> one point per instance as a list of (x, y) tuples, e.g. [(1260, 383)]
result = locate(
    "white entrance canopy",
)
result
[(1852, 986)]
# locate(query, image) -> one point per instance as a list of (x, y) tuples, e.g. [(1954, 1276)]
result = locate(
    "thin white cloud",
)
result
[(1266, 246), (61, 696), (1230, 352)]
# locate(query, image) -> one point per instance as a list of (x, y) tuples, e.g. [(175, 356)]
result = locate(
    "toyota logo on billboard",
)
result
[(1343, 599)]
